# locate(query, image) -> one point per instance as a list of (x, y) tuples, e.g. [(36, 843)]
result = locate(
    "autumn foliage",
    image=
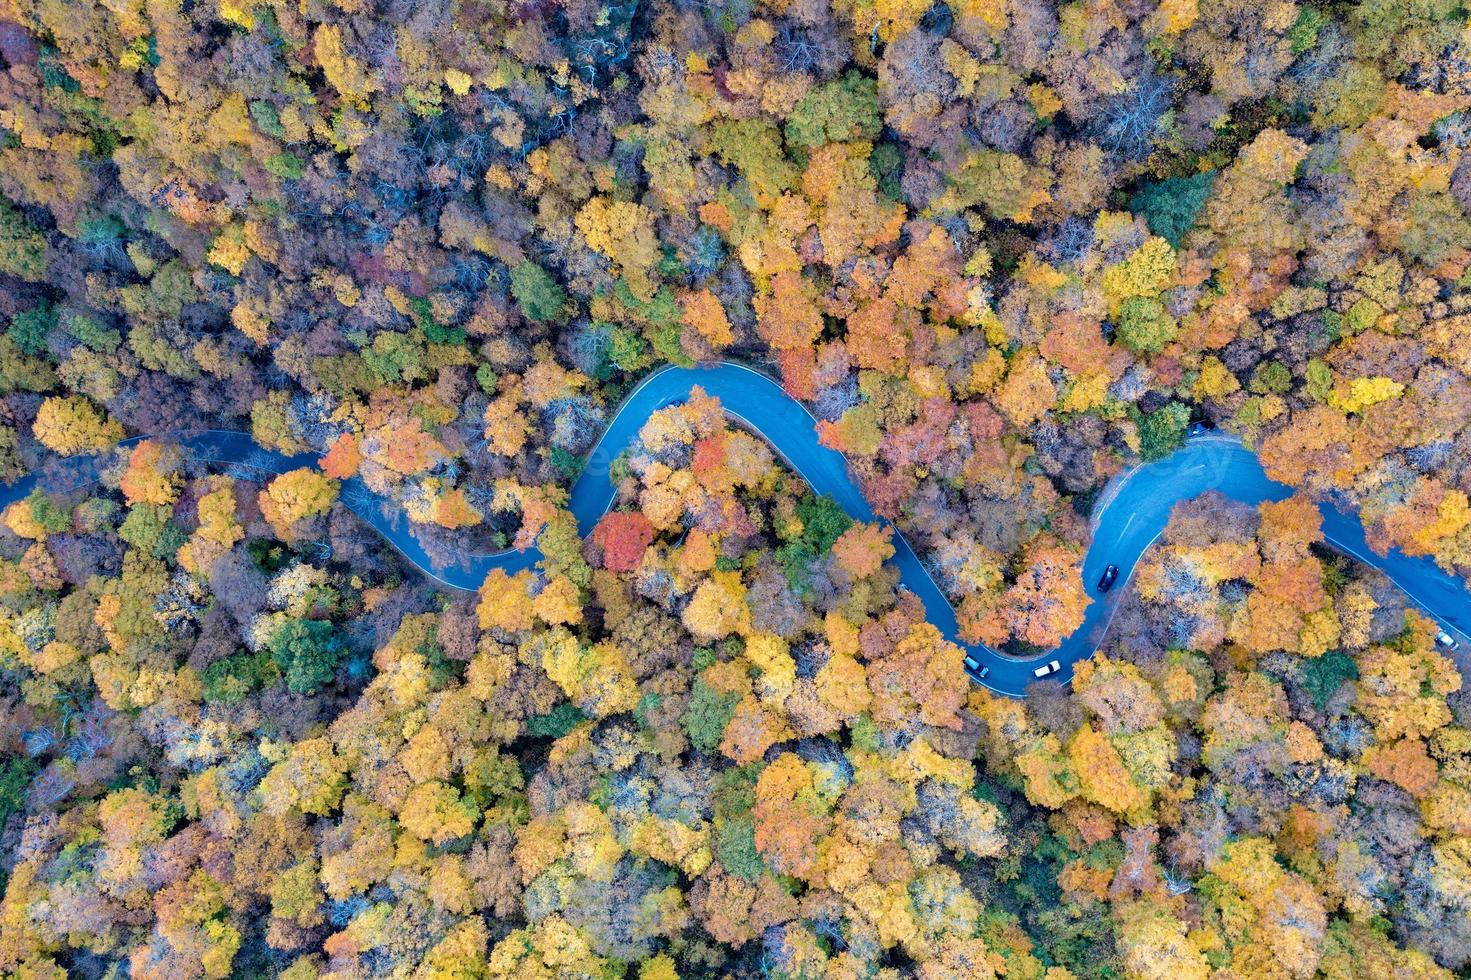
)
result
[(1002, 252)]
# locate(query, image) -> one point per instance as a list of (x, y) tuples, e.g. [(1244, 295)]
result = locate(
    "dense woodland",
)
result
[(1004, 250)]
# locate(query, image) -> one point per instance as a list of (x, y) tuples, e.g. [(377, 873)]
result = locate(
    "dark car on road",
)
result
[(975, 667), (1110, 576)]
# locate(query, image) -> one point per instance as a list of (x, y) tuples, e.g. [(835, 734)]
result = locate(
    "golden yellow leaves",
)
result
[(559, 602), (624, 232), (1403, 692), (1155, 945), (457, 81), (1102, 777), (507, 421), (842, 683), (1361, 393), (1434, 520), (1272, 156), (1215, 380), (505, 601), (596, 678), (718, 607), (851, 218), (294, 497), (1146, 272), (703, 313), (218, 529), (888, 19), (1027, 391), (71, 424), (437, 502), (1280, 918), (251, 321), (309, 777), (778, 671), (788, 317), (434, 812), (993, 13), (344, 72), (551, 949), (229, 250)]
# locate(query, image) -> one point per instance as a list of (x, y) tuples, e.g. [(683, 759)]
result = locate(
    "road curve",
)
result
[(1130, 516)]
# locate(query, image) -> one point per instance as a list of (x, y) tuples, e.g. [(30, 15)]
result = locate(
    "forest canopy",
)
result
[(1003, 250)]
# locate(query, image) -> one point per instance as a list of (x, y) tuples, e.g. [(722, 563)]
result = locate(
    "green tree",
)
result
[(987, 179), (839, 111), (1323, 676), (15, 776), (1170, 206), (47, 515), (306, 651), (537, 293), (287, 166), (230, 679), (823, 521), (708, 713), (22, 247), (735, 834), (1163, 431), (1304, 31), (1437, 227), (92, 334), (30, 329), (555, 723), (1144, 326), (150, 528), (21, 373), (753, 146), (1271, 378)]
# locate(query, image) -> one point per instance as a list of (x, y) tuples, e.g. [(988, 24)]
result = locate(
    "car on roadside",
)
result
[(1444, 639), (1051, 667), (1110, 576)]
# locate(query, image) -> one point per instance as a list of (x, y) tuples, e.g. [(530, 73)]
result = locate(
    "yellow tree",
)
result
[(718, 607), (294, 497), (1273, 918), (1101, 773), (218, 529), (703, 313), (434, 812), (624, 232), (1155, 946), (787, 317), (151, 476), (505, 601), (70, 425), (1047, 600)]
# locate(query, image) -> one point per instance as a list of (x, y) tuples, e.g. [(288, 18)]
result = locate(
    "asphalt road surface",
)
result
[(1128, 518)]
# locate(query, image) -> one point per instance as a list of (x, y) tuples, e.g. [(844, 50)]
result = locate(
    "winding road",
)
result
[(1130, 515)]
